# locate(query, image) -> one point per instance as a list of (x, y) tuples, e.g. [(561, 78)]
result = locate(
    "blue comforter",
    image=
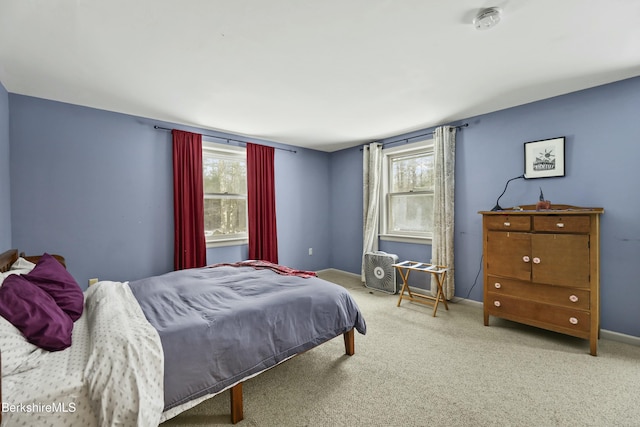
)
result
[(221, 325)]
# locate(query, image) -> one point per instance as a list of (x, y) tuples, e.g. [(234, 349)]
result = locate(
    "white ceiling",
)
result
[(323, 74)]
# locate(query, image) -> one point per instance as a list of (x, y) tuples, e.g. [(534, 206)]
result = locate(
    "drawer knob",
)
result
[(560, 225), (573, 298), (526, 258), (507, 224), (536, 260), (497, 285), (573, 320), (496, 303)]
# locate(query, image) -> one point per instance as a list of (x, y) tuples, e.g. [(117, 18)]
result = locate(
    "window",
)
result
[(407, 199), (225, 194)]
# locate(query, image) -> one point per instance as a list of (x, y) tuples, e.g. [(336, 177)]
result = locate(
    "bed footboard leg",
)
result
[(237, 414), (349, 344)]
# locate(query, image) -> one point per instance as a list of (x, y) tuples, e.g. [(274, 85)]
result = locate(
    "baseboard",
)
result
[(337, 270), (617, 336), (466, 301)]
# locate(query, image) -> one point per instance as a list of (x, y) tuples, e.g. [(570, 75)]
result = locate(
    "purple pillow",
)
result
[(35, 314), (51, 276)]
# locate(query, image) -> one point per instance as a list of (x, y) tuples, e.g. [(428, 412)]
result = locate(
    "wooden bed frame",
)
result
[(7, 258), (237, 413)]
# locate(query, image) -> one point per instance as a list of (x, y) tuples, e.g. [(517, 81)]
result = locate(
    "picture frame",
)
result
[(544, 158)]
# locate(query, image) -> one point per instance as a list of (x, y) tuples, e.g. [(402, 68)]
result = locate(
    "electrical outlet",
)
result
[(310, 251), (93, 281)]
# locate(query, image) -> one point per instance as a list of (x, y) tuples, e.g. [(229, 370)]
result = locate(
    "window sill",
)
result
[(227, 242), (406, 239)]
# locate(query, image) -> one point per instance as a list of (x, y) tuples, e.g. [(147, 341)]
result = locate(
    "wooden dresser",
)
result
[(542, 268)]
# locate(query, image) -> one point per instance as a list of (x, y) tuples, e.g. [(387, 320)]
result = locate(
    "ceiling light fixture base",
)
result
[(487, 18)]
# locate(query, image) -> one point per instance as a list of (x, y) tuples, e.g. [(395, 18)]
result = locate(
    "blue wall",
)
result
[(92, 186), (302, 206), (601, 127), (5, 189), (346, 210), (96, 187)]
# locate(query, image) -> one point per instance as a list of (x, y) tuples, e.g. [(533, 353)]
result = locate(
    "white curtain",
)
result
[(444, 149), (371, 179)]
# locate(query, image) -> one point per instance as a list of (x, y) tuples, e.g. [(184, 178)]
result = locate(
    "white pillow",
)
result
[(22, 264)]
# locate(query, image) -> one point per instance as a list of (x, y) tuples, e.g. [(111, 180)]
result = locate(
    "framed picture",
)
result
[(544, 159)]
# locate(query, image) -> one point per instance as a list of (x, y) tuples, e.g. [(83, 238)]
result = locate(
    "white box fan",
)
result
[(379, 272)]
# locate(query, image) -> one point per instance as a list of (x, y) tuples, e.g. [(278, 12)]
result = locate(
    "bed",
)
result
[(144, 351)]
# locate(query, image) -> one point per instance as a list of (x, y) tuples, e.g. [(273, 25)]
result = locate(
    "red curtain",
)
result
[(261, 203), (190, 249)]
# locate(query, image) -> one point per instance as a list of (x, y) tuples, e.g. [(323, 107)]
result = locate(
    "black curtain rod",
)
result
[(418, 136), (228, 139), (412, 137)]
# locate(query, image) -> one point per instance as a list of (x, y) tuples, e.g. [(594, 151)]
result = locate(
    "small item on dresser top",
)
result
[(542, 203)]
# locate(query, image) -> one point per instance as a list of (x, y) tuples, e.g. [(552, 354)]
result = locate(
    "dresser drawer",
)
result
[(538, 314), (562, 224), (555, 295), (508, 222)]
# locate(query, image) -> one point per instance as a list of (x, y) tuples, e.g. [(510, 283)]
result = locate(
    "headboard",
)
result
[(35, 258), (7, 259)]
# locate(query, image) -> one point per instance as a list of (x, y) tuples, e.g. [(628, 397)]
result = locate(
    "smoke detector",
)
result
[(487, 18)]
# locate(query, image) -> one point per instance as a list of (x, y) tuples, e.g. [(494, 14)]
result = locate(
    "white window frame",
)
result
[(416, 148), (227, 151)]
